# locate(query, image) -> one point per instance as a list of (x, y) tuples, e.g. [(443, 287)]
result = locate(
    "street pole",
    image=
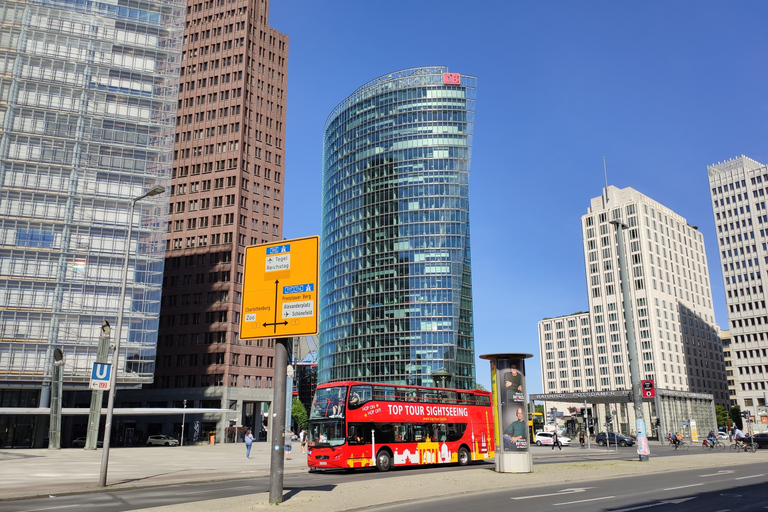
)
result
[(634, 365), (54, 434), (118, 335), (94, 414), (183, 419), (277, 461)]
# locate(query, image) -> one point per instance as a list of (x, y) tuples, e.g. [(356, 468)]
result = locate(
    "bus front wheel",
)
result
[(463, 456), (384, 461)]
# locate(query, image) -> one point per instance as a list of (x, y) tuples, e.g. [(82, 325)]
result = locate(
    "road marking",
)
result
[(202, 492), (681, 487), (52, 508), (559, 493), (750, 476), (583, 501), (719, 473), (665, 502)]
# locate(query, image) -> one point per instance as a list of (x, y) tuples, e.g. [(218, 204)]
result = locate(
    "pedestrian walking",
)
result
[(556, 442), (288, 438), (581, 438), (248, 442), (303, 440)]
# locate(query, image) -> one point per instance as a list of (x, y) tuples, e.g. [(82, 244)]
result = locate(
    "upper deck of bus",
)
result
[(332, 399)]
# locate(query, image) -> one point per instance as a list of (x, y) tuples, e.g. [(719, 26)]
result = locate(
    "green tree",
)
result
[(299, 414), (736, 416), (480, 387), (722, 415)]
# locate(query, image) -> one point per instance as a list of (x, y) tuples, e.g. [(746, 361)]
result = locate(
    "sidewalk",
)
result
[(29, 473), (43, 472)]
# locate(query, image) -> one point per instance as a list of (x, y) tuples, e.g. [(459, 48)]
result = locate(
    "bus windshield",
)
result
[(326, 433), (329, 403)]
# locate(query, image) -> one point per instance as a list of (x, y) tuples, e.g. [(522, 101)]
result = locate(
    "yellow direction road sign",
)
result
[(280, 289)]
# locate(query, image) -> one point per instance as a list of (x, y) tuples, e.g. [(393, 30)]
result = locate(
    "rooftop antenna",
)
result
[(605, 171)]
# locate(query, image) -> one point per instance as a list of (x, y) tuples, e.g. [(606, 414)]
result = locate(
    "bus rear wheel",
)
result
[(383, 461), (463, 456)]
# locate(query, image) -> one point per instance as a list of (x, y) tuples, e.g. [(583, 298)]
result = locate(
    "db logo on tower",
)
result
[(451, 79)]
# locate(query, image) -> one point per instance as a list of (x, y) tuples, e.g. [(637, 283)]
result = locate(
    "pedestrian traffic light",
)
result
[(658, 422)]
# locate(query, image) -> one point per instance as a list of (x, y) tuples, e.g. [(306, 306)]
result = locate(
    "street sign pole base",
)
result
[(644, 458)]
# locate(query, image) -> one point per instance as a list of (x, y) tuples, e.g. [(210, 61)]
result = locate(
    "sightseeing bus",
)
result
[(355, 425)]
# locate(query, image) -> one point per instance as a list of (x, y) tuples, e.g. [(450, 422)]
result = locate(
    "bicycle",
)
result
[(736, 447), (717, 445), (681, 445)]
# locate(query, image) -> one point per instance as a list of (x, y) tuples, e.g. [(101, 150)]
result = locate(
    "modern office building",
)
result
[(677, 338), (739, 188), (227, 192), (87, 113), (725, 338), (395, 276)]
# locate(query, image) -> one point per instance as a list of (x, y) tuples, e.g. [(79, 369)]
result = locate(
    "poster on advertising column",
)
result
[(510, 382)]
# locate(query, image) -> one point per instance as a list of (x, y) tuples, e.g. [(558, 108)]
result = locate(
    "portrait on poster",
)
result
[(510, 378)]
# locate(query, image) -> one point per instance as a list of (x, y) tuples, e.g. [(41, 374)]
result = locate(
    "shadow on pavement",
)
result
[(294, 491)]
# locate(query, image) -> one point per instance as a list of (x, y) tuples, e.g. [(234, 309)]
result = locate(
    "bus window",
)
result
[(406, 394), (446, 397), (358, 395), (384, 433), (455, 431), (466, 399), (359, 433), (402, 433), (482, 400), (329, 403), (427, 395), (439, 433), (420, 433), (383, 393), (330, 433)]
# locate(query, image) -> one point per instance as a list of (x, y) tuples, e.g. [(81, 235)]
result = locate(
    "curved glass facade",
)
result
[(395, 278), (88, 95)]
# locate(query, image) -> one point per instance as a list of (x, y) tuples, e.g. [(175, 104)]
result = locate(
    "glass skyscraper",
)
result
[(395, 276), (88, 95)]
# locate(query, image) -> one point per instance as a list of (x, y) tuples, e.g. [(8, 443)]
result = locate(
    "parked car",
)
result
[(722, 435), (546, 438), (162, 440), (80, 443), (612, 438), (761, 439)]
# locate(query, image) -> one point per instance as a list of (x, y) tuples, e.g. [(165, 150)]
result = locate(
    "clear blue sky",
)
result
[(661, 89)]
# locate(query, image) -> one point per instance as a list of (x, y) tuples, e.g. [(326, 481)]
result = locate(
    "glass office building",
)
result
[(88, 95), (395, 277)]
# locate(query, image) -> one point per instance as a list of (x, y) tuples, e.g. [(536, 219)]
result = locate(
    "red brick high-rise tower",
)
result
[(226, 193)]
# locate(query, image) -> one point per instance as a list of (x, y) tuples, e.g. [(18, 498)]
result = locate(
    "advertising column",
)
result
[(510, 406)]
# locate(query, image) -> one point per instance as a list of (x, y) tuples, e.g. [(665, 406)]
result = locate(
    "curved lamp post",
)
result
[(118, 335)]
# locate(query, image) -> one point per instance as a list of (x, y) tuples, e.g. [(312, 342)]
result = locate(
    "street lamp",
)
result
[(54, 435), (183, 418), (118, 335)]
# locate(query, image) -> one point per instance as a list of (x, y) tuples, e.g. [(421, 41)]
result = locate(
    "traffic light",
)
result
[(658, 422)]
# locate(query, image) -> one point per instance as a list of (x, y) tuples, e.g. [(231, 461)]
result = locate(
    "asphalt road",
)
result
[(172, 495), (696, 490), (633, 489)]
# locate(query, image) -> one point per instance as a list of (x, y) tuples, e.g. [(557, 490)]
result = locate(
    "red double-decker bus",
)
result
[(355, 425)]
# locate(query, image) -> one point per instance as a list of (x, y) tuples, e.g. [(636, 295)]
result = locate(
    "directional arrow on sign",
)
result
[(558, 493)]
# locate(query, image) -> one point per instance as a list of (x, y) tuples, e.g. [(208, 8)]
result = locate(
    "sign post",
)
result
[(280, 301)]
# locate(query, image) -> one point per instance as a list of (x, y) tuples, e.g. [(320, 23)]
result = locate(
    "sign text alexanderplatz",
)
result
[(280, 289)]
